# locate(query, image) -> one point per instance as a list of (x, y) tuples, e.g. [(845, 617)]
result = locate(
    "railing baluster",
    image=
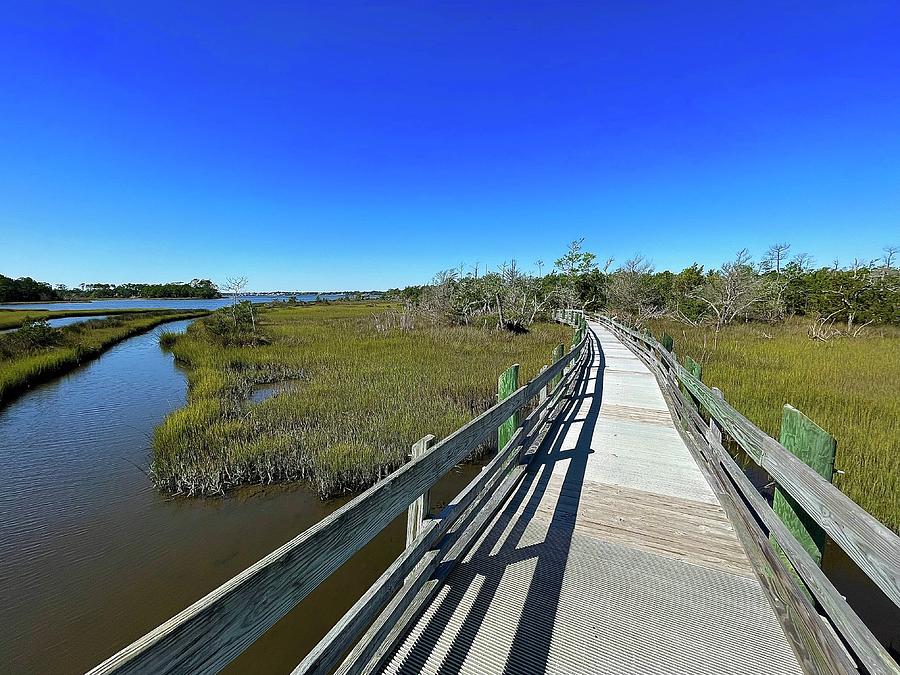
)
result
[(415, 515)]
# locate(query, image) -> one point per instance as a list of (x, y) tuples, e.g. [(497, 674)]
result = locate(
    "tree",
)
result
[(236, 286), (574, 264), (732, 290), (683, 303), (775, 257), (631, 291)]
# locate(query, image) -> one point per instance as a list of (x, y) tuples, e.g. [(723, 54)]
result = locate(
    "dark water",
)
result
[(186, 303), (91, 557)]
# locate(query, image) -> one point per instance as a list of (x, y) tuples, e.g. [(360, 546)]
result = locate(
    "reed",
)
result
[(25, 362), (847, 385), (354, 397)]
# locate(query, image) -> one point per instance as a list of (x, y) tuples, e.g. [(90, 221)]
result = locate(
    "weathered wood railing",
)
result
[(213, 631), (839, 642)]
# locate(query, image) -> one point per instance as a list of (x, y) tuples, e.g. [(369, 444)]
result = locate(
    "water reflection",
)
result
[(92, 557)]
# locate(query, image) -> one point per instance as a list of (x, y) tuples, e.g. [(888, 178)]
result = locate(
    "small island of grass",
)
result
[(359, 387), (36, 351)]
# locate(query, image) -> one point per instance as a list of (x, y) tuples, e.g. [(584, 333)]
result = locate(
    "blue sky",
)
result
[(367, 145)]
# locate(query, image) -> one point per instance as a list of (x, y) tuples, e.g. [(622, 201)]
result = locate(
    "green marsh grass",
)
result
[(848, 386), (23, 364), (14, 318), (356, 397)]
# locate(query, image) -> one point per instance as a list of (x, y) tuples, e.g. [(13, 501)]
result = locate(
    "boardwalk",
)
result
[(594, 541), (612, 556)]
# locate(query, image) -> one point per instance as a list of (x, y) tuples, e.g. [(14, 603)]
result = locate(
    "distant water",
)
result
[(69, 320), (181, 303), (64, 321)]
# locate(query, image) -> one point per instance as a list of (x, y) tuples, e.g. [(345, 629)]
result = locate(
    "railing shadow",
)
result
[(533, 633)]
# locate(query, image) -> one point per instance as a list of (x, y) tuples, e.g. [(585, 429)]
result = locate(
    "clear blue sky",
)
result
[(332, 145)]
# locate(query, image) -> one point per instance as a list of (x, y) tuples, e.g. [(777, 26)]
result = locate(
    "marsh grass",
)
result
[(848, 386), (14, 318), (36, 353), (358, 399)]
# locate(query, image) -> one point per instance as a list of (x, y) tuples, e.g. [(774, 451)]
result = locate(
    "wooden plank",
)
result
[(384, 634), (209, 634), (548, 572), (865, 645), (816, 448), (815, 645), (415, 514), (507, 383), (870, 652), (390, 626), (343, 635), (681, 529), (871, 545)]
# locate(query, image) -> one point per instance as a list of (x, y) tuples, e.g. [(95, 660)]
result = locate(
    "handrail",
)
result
[(468, 513), (874, 548), (212, 632)]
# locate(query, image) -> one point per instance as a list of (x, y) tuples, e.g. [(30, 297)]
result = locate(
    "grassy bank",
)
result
[(37, 353), (849, 386), (353, 401), (15, 318)]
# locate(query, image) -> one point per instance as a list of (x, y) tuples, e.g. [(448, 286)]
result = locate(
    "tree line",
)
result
[(777, 286), (26, 289)]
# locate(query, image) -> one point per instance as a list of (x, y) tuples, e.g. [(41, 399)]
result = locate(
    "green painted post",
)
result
[(816, 447), (558, 352), (668, 342), (507, 383), (694, 369)]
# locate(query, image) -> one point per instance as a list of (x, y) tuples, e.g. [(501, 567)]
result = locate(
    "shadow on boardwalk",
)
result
[(494, 553)]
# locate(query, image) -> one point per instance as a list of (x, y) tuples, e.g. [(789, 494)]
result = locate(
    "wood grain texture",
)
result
[(507, 383), (816, 448), (401, 612), (209, 634), (415, 514), (818, 648), (871, 545), (681, 529), (865, 646), (582, 572)]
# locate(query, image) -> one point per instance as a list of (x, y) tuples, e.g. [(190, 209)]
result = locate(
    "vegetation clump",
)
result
[(37, 351), (359, 394)]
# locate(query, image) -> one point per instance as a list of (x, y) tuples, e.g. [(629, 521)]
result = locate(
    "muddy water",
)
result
[(91, 557)]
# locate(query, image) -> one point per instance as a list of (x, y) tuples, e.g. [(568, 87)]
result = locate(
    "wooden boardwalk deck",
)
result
[(612, 556)]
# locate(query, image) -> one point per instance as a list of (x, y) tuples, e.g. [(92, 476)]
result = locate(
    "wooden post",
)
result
[(558, 352), (668, 342), (816, 447), (415, 514), (694, 369), (507, 383), (714, 433), (542, 395)]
